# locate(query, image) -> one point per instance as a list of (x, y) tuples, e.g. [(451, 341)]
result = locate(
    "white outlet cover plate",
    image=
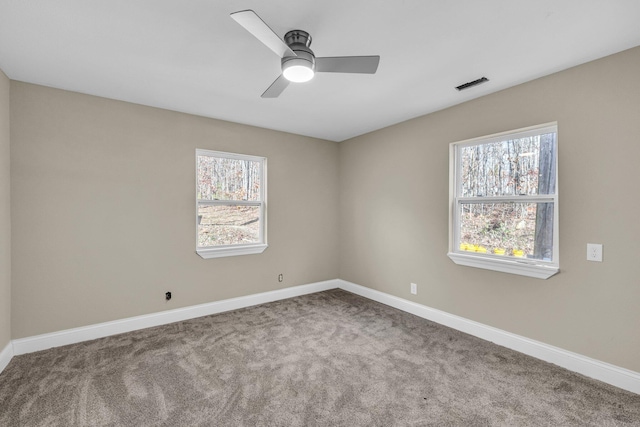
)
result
[(594, 252)]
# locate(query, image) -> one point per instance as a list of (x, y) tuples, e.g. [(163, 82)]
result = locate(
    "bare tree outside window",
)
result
[(229, 199), (504, 196)]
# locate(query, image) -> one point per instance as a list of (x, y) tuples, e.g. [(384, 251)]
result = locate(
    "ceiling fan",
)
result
[(299, 63)]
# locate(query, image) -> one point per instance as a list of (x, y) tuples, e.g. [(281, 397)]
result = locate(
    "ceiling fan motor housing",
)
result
[(299, 42), (297, 37)]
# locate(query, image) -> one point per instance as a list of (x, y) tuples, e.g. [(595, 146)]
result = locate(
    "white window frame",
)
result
[(208, 252), (526, 267)]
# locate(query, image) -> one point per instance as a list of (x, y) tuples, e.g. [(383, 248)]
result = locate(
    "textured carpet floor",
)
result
[(327, 359)]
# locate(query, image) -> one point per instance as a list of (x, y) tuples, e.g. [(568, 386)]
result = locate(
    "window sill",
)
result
[(227, 251), (522, 268)]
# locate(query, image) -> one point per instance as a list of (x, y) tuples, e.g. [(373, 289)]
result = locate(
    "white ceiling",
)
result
[(190, 56)]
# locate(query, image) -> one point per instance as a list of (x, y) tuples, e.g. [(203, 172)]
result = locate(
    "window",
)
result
[(230, 204), (504, 202)]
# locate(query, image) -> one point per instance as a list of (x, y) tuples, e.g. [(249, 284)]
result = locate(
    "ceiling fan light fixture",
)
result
[(298, 70), (298, 62)]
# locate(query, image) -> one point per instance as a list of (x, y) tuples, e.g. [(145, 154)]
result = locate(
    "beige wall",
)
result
[(5, 217), (103, 210), (394, 212)]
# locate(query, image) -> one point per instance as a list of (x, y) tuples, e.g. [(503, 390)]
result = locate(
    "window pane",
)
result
[(228, 179), (524, 166), (521, 230), (228, 225)]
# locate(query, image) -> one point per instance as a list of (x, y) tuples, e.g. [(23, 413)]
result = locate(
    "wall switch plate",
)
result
[(594, 252), (414, 289)]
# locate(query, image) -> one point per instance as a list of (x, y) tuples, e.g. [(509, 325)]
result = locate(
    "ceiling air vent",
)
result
[(473, 83)]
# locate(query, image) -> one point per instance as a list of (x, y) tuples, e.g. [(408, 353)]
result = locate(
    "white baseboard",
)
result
[(5, 356), (605, 372), (100, 330), (611, 374)]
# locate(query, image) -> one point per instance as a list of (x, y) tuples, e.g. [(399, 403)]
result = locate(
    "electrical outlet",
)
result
[(414, 289), (594, 252), (280, 277)]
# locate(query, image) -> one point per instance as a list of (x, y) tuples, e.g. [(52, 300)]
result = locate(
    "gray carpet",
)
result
[(327, 359)]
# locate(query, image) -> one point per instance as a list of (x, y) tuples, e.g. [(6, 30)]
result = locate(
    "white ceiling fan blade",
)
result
[(256, 26), (348, 64), (276, 88)]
